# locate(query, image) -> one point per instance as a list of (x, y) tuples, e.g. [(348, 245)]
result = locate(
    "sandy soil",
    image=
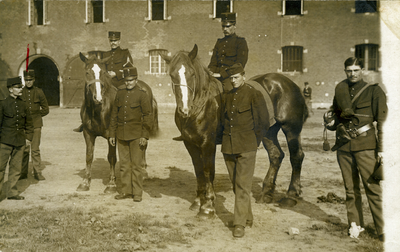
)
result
[(170, 189)]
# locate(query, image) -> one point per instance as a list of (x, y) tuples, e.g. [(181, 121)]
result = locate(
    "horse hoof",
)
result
[(287, 202), (267, 199), (110, 189), (82, 188), (195, 206), (206, 214)]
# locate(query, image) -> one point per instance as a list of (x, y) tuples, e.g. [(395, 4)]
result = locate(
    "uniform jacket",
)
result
[(15, 122), (131, 115), (372, 104), (307, 92), (118, 57), (245, 120), (228, 51), (36, 103)]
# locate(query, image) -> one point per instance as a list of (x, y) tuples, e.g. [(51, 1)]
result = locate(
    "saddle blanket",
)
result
[(267, 99)]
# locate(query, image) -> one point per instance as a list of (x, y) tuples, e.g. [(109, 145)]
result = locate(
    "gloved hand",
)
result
[(347, 113)]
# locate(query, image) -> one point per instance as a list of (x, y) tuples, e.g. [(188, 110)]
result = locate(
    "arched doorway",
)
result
[(46, 78)]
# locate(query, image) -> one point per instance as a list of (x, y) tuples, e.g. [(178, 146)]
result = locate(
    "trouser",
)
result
[(14, 154), (131, 166), (241, 171), (352, 165), (309, 105), (35, 153)]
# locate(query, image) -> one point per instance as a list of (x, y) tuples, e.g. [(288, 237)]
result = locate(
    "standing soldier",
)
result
[(245, 122), (37, 105), (227, 51), (117, 59), (16, 131), (359, 145), (131, 121), (307, 92)]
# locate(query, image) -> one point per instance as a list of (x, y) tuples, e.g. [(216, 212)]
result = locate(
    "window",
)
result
[(95, 11), (37, 12), (157, 10), (369, 53), (292, 7), (364, 6), (157, 64), (221, 6), (292, 59)]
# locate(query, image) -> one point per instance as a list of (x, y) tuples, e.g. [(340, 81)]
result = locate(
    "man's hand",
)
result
[(216, 75), (112, 141), (380, 157), (112, 74), (142, 142), (27, 142)]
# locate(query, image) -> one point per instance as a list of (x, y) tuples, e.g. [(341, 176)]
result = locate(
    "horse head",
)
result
[(186, 73), (97, 80)]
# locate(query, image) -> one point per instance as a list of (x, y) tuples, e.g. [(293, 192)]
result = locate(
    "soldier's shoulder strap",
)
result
[(362, 90)]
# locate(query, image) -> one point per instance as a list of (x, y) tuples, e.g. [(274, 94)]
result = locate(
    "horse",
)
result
[(198, 110), (95, 114)]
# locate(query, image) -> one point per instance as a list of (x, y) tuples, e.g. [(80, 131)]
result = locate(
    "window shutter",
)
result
[(45, 13), (88, 10), (31, 11), (104, 12)]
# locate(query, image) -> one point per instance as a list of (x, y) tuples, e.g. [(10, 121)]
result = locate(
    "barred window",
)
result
[(37, 12), (364, 6), (292, 7), (157, 10), (95, 11), (292, 59), (157, 64), (369, 53), (221, 6)]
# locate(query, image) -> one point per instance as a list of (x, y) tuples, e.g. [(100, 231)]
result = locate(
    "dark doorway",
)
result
[(46, 78)]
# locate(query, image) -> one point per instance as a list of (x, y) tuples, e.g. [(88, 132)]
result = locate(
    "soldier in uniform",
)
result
[(117, 59), (37, 105), (245, 121), (358, 155), (227, 51), (16, 131), (131, 121)]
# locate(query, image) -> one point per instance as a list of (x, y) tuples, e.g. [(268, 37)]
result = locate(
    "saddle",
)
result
[(267, 98)]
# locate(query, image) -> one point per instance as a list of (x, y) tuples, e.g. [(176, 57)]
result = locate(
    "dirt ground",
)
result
[(170, 189)]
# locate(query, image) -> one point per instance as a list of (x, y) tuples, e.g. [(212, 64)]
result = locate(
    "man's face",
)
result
[(353, 73), (29, 82), (130, 83), (237, 80), (228, 28), (114, 43), (15, 90)]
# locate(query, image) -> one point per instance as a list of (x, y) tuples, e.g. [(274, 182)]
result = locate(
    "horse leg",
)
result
[(112, 159), (90, 140), (296, 159), (276, 155), (207, 208), (203, 198)]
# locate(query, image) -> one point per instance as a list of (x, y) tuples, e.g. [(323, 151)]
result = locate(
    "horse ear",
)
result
[(193, 53), (166, 58), (83, 58)]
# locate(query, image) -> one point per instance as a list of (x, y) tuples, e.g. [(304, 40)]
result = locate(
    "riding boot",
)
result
[(178, 138), (79, 129)]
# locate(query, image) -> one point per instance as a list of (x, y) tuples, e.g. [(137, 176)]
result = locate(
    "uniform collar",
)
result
[(356, 85), (231, 36)]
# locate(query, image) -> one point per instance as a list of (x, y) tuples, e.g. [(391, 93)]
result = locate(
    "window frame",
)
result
[(32, 16), (150, 11), (214, 13), (89, 18), (358, 2), (161, 64), (366, 48), (302, 12), (292, 62)]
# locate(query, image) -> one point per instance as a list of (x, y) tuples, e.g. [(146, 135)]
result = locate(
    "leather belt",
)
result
[(356, 132)]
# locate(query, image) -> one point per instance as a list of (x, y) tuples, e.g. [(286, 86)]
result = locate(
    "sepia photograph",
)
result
[(199, 125)]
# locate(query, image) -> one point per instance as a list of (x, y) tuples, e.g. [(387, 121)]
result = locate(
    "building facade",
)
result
[(304, 40)]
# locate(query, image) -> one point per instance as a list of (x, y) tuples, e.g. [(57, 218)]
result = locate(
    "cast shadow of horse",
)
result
[(180, 182), (101, 170)]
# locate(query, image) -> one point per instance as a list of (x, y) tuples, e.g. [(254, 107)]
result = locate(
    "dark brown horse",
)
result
[(95, 114), (198, 98)]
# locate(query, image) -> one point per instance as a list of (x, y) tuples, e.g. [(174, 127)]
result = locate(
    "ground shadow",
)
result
[(24, 184), (100, 170)]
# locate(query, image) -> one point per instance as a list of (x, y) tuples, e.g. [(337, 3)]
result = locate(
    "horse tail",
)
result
[(154, 130)]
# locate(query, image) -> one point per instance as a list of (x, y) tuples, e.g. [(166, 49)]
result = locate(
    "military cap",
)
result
[(114, 35), (130, 72), (29, 75), (228, 17), (15, 81), (235, 69)]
